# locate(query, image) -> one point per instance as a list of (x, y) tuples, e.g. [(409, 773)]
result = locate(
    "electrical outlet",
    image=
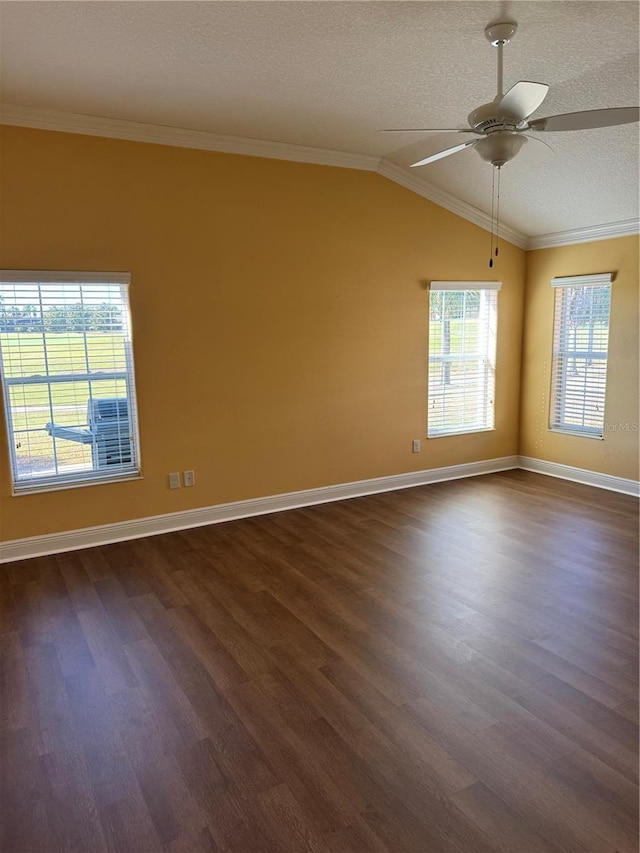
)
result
[(174, 480), (415, 445), (189, 478)]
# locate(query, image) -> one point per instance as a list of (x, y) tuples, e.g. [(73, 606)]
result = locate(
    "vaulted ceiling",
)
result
[(329, 75)]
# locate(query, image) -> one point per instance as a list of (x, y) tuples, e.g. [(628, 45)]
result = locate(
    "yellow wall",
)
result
[(279, 317), (617, 453)]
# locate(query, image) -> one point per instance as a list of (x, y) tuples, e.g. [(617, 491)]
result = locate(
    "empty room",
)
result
[(319, 435)]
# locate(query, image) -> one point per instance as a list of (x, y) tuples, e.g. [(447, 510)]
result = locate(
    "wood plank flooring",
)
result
[(445, 668)]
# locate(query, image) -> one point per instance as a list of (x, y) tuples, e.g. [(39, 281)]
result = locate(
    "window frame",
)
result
[(489, 333), (561, 354), (93, 476)]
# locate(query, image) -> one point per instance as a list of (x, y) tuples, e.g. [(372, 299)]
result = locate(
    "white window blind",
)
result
[(580, 349), (67, 378), (462, 354)]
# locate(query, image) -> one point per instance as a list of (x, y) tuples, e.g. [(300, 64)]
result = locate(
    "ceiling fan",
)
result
[(502, 124)]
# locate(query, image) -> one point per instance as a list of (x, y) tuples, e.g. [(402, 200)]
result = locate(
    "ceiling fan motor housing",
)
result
[(484, 118)]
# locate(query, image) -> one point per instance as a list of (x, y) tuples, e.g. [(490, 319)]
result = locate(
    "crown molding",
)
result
[(180, 137), (413, 182), (140, 132), (418, 185), (23, 116), (625, 228)]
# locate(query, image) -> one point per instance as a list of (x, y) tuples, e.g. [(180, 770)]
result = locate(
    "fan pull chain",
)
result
[(493, 201), (498, 213), (495, 207)]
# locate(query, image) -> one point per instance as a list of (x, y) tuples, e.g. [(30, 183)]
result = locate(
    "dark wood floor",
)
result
[(445, 668)]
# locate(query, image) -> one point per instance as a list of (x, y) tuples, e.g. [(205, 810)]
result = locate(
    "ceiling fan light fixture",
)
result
[(500, 147)]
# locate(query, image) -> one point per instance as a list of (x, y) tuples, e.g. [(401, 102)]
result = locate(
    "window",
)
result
[(462, 355), (580, 345), (67, 378)]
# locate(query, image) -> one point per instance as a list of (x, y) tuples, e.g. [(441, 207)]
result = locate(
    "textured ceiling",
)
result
[(331, 74)]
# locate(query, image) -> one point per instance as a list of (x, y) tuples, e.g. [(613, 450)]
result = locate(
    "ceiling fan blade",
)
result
[(522, 99), (587, 119), (427, 130), (445, 153), (534, 153)]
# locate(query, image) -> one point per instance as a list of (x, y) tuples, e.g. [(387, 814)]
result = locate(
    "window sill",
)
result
[(577, 433), (460, 432), (57, 487)]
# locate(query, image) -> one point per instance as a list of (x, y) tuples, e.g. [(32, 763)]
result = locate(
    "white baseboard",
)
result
[(88, 537), (580, 475)]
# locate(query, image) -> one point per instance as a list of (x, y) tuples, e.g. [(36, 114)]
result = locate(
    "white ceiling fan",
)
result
[(502, 124)]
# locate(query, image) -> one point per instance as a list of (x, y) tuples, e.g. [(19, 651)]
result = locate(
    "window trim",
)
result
[(465, 285), (558, 284), (91, 477), (596, 280), (438, 285)]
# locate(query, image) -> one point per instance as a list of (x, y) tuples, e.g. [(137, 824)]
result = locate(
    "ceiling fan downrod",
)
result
[(498, 35), (498, 120)]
